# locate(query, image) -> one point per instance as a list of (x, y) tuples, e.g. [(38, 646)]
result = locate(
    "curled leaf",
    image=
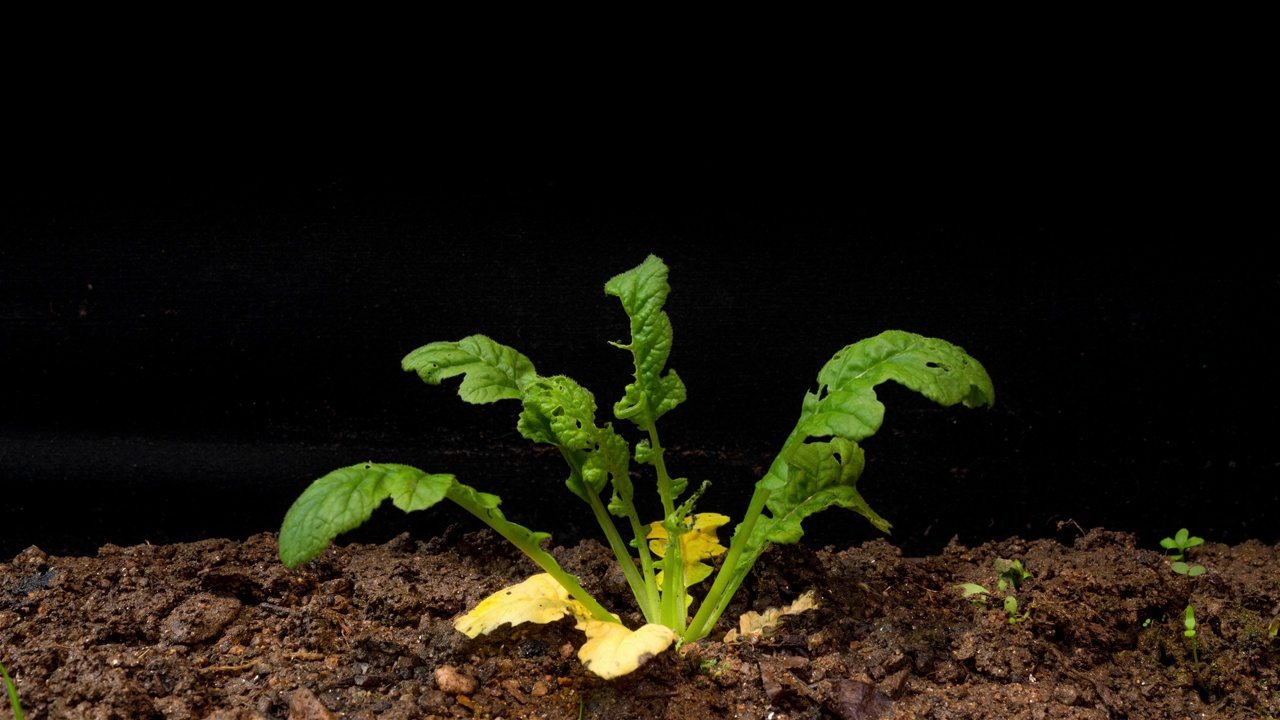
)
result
[(613, 650)]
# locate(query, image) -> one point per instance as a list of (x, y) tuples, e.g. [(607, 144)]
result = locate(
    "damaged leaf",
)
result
[(697, 544), (540, 599), (754, 626), (613, 650)]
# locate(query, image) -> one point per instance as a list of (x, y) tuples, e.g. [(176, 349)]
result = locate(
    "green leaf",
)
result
[(935, 368), (558, 411), (345, 498), (492, 370), (812, 476), (643, 291), (846, 405), (820, 475)]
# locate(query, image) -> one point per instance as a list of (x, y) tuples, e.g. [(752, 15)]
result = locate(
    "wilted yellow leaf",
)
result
[(539, 599), (756, 625), (613, 650), (698, 544)]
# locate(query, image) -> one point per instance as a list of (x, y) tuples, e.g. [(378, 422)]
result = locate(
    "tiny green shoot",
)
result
[(818, 467), (1190, 624), (12, 689), (713, 668)]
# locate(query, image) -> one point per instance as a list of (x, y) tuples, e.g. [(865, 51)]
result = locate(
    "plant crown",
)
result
[(818, 467)]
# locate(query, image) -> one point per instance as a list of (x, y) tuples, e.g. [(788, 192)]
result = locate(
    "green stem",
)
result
[(733, 571), (673, 605), (641, 533), (535, 552), (735, 567), (616, 543), (659, 461), (619, 547)]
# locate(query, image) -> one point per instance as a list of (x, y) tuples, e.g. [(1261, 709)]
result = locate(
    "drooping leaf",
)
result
[(935, 368), (492, 370), (613, 650), (643, 291), (345, 498), (539, 599)]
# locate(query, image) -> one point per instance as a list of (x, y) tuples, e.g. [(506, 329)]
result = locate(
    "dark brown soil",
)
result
[(220, 629)]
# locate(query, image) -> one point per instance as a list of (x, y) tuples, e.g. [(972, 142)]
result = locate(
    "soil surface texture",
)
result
[(220, 630)]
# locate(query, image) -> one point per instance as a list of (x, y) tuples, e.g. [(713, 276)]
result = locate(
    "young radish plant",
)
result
[(818, 467)]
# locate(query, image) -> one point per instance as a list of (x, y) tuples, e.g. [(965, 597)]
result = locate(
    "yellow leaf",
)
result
[(754, 625), (698, 544), (539, 599), (613, 650)]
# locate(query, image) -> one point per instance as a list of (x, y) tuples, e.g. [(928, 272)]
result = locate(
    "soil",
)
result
[(220, 630)]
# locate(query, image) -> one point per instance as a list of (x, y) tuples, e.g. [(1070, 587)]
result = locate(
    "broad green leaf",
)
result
[(492, 370), (854, 414), (345, 498), (643, 291), (613, 650), (935, 368)]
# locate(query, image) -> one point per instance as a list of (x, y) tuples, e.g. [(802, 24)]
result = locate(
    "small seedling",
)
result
[(12, 689), (1011, 609), (1181, 542), (1190, 624), (817, 468), (1184, 569), (1011, 574), (975, 593), (713, 668)]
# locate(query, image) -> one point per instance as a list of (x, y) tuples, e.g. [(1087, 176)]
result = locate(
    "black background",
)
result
[(185, 344)]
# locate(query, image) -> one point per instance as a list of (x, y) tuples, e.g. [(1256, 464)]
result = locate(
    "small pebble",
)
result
[(450, 681)]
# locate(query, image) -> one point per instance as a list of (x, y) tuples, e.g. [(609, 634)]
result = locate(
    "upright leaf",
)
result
[(643, 291)]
